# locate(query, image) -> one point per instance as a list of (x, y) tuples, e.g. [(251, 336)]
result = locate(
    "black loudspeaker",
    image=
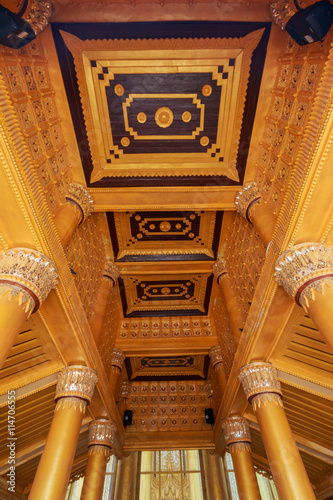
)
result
[(209, 414), (128, 417), (311, 24), (14, 31)]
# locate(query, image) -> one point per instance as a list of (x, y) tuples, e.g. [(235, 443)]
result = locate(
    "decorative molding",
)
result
[(76, 382), (118, 358), (126, 390), (102, 432), (165, 327), (97, 449), (215, 355), (303, 268), (73, 403), (246, 199), (220, 270), (265, 399), (236, 429), (80, 197), (38, 14), (239, 447), (258, 378), (23, 298), (29, 270), (209, 389), (111, 271)]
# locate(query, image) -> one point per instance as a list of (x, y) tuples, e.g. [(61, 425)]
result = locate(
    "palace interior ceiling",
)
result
[(164, 120)]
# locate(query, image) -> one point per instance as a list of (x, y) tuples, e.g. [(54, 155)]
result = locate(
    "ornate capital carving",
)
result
[(102, 432), (258, 378), (236, 430), (118, 358), (126, 390), (97, 449), (215, 355), (209, 389), (29, 270), (38, 14), (220, 270), (76, 382), (281, 12), (79, 196), (303, 266), (111, 271), (246, 199)]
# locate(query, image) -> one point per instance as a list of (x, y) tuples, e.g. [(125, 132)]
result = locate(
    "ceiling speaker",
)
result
[(311, 24), (128, 418), (209, 414)]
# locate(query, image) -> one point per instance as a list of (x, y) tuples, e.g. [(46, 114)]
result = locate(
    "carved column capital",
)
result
[(118, 358), (80, 197), (29, 271), (259, 378), (126, 390), (76, 382), (102, 432), (304, 267), (38, 13), (281, 12), (236, 430), (111, 272), (220, 270), (215, 355), (246, 199)]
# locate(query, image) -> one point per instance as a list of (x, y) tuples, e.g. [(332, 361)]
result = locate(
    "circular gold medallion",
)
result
[(192, 216), (164, 117), (142, 118), (206, 90), (138, 217), (165, 291), (204, 141), (186, 116), (119, 89), (152, 226), (178, 226), (139, 236), (191, 235), (165, 226), (125, 142)]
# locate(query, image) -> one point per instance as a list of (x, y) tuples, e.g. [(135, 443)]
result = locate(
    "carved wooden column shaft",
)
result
[(126, 477), (306, 273), (220, 271), (110, 276), (77, 207), (237, 436), (216, 358), (101, 439), (74, 391), (262, 388), (118, 358), (249, 204), (26, 278)]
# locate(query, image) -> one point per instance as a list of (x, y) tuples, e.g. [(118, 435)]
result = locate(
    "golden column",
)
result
[(249, 204), (26, 278), (216, 358), (220, 271), (74, 391), (237, 437), (306, 273), (118, 358), (36, 12), (110, 276), (262, 388), (125, 488), (76, 209), (102, 434), (215, 481)]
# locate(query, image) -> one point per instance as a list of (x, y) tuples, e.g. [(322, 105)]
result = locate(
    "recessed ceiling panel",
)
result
[(191, 367)]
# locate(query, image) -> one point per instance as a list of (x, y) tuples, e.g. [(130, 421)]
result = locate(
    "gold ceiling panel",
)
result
[(138, 126), (168, 366)]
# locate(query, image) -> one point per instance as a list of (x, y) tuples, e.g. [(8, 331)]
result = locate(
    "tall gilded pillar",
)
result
[(306, 273), (77, 207), (26, 278), (126, 477), (220, 271), (74, 391), (117, 362), (216, 486), (216, 358), (262, 388), (249, 204), (110, 276), (101, 439), (237, 437)]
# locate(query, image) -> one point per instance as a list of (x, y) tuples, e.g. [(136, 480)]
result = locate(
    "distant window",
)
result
[(75, 488), (170, 475), (265, 482)]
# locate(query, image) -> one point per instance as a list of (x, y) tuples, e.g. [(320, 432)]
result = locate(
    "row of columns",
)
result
[(263, 390)]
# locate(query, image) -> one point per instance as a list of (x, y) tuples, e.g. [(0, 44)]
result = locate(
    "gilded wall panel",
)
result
[(110, 329), (226, 340), (166, 327), (27, 80)]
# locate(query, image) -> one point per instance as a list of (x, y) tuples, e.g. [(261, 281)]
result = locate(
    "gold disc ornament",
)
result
[(164, 117)]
